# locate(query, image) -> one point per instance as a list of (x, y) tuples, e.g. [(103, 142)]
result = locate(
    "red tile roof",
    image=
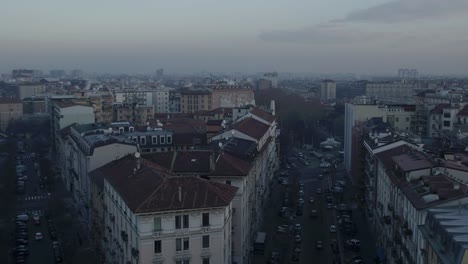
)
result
[(229, 165), (263, 114), (194, 162), (412, 161), (251, 127), (464, 111), (8, 100), (152, 189), (439, 109)]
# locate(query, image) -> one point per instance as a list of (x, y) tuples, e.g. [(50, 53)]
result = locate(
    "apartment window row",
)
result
[(181, 244), (165, 139), (181, 222)]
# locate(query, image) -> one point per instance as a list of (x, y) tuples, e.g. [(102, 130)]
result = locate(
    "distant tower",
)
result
[(272, 107), (160, 73)]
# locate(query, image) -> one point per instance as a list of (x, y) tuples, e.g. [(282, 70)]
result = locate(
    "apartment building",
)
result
[(443, 119), (134, 96), (327, 90), (409, 183), (85, 148), (133, 113), (231, 96), (193, 100), (161, 99), (445, 235), (170, 219), (10, 109), (392, 92), (65, 112), (30, 89)]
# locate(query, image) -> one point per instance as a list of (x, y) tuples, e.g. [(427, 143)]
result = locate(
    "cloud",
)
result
[(328, 33), (407, 10), (346, 30)]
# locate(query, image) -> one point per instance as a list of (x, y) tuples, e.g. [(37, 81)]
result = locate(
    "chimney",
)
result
[(180, 194)]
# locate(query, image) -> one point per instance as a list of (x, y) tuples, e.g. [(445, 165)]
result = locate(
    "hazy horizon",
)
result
[(324, 36)]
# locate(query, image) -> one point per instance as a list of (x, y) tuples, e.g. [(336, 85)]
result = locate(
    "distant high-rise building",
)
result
[(408, 74), (77, 73), (22, 75), (160, 73), (327, 90), (273, 78), (57, 73)]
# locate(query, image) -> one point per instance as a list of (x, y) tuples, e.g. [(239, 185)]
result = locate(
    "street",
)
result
[(317, 235)]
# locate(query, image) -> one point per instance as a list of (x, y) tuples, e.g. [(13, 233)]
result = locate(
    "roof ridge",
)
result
[(164, 179)]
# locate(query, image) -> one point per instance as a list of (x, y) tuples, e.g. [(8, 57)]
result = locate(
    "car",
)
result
[(301, 185), (22, 218), (319, 191), (313, 214), (320, 176), (37, 219), (301, 200), (284, 182), (311, 199), (21, 242), (297, 250), (301, 192), (319, 244), (298, 227), (38, 236), (332, 229), (329, 206), (298, 239)]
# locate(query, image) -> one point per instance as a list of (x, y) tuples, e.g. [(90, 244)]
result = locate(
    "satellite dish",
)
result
[(110, 129), (220, 144), (137, 155)]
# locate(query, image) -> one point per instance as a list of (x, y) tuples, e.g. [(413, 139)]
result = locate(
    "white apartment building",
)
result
[(395, 92), (354, 114), (161, 101), (169, 219), (84, 149), (141, 97), (443, 118), (327, 90), (408, 184), (239, 173)]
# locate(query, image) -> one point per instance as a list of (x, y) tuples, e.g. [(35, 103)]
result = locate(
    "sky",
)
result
[(316, 36)]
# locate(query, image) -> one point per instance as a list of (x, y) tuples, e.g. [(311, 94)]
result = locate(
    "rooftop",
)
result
[(159, 191), (263, 114), (412, 161), (251, 127)]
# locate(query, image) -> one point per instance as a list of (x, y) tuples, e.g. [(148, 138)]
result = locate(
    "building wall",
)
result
[(142, 235), (8, 112), (143, 98), (134, 114), (29, 90), (328, 91), (232, 97), (193, 102), (75, 114), (395, 92), (161, 99), (355, 113)]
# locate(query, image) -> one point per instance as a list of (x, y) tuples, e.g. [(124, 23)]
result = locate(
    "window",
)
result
[(205, 219), (407, 119), (397, 119), (178, 244), (131, 129), (157, 224), (157, 247), (186, 243), (447, 115), (186, 221), (228, 182), (135, 139), (446, 123), (169, 140), (162, 139), (205, 241), (205, 260), (143, 140), (178, 222), (154, 140), (181, 221), (184, 261)]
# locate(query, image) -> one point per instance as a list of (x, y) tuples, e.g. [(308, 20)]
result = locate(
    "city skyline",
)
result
[(362, 37)]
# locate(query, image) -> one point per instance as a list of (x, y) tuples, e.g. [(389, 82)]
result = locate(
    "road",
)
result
[(313, 229), (35, 201)]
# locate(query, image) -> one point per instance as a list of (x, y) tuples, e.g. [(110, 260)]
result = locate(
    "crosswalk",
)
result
[(33, 211), (35, 197)]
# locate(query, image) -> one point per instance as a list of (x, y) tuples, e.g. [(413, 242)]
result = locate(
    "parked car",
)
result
[(38, 236), (37, 219), (319, 244), (313, 214), (332, 229)]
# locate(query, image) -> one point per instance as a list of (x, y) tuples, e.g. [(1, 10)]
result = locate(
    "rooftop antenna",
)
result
[(137, 156)]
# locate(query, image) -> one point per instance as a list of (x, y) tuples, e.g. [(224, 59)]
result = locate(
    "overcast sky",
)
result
[(321, 36)]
